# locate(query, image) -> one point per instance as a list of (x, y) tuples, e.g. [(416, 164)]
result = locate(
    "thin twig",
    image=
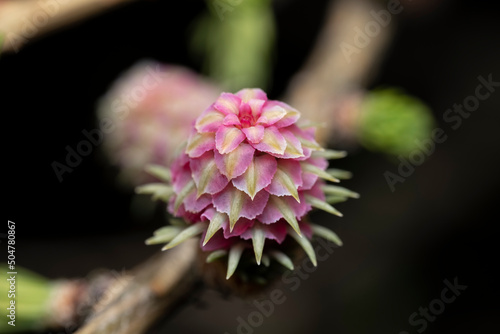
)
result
[(329, 74), (22, 21), (157, 288)]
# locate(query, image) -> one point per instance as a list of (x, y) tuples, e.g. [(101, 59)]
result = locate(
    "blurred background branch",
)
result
[(158, 286), (21, 21), (328, 77)]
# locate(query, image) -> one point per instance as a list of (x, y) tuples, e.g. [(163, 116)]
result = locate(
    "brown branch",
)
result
[(158, 286), (319, 88), (21, 21)]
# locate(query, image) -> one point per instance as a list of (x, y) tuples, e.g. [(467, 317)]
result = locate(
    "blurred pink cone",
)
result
[(152, 107)]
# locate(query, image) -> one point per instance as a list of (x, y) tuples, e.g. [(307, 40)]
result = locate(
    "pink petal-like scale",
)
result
[(293, 148), (209, 121), (289, 175), (206, 175), (271, 114), (200, 143), (242, 225), (272, 142), (272, 214), (228, 138), (258, 175), (228, 103), (236, 162), (195, 204), (276, 231), (231, 120), (292, 115), (248, 94), (254, 134), (248, 208), (310, 178)]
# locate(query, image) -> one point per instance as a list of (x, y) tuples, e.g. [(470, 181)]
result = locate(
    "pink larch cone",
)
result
[(246, 179)]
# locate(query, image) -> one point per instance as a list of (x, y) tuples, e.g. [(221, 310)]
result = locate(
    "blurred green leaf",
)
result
[(235, 42), (393, 122), (31, 296)]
